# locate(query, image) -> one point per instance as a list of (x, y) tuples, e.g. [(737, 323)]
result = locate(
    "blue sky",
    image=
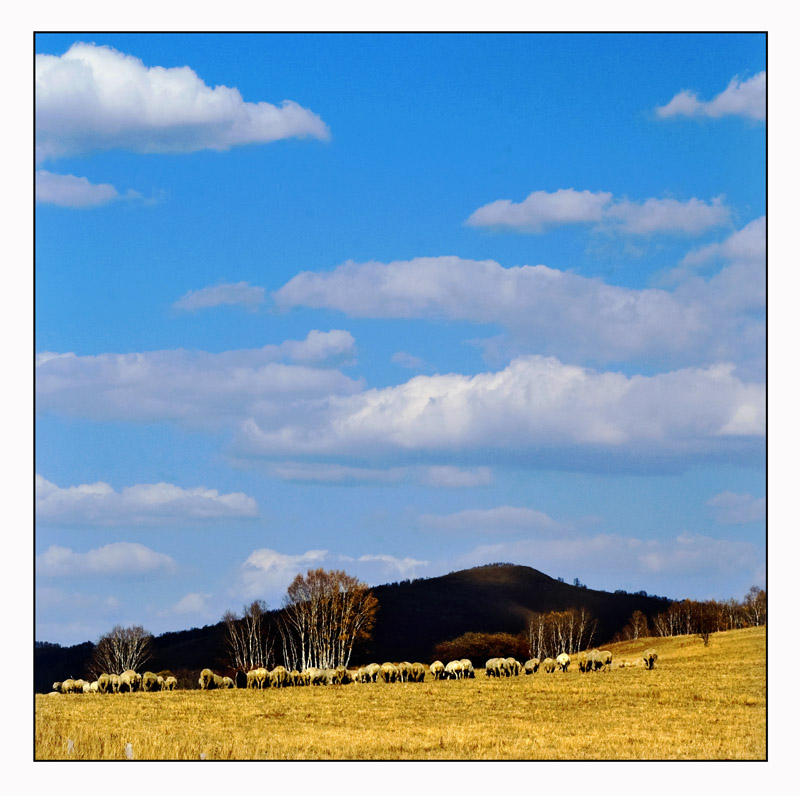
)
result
[(397, 304)]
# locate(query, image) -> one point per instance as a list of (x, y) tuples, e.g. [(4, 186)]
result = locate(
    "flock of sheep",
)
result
[(281, 677), (129, 680)]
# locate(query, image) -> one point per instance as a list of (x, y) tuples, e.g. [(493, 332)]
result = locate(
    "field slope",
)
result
[(699, 703)]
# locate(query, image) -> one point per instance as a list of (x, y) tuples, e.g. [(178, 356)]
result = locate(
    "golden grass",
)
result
[(699, 703)]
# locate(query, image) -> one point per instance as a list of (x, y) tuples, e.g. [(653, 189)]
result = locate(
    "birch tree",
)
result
[(121, 649), (247, 640), (325, 613)]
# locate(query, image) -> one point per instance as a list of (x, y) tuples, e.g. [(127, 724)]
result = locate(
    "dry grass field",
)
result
[(706, 703)]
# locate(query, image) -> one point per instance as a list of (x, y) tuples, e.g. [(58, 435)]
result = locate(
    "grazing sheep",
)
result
[(332, 677), (294, 677), (583, 662), (57, 686), (279, 677), (493, 668), (404, 670), (103, 683), (511, 667), (531, 666), (115, 682), (68, 686), (208, 680), (227, 682), (262, 676), (343, 675), (373, 670), (418, 673), (160, 682), (549, 665), (604, 657), (563, 661), (437, 670), (469, 670), (315, 676), (78, 685), (86, 688), (593, 661), (390, 673), (650, 657), (130, 680), (170, 683), (454, 670), (149, 681)]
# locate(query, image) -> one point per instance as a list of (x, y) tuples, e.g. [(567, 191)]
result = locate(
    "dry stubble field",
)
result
[(700, 702)]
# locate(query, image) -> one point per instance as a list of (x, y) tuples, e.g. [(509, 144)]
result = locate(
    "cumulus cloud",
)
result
[(551, 311), (267, 571), (196, 388), (502, 519), (238, 293), (741, 98), (748, 244), (730, 508), (117, 558), (96, 98), (100, 504), (67, 190), (409, 361), (532, 410), (541, 210)]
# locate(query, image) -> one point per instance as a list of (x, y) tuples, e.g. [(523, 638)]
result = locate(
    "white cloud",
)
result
[(669, 216), (195, 603), (542, 209), (740, 98), (748, 244), (100, 504), (502, 519), (240, 293), (552, 311), (532, 410), (267, 571), (96, 98), (196, 388), (407, 567), (568, 206), (67, 190), (451, 477), (117, 558), (730, 508)]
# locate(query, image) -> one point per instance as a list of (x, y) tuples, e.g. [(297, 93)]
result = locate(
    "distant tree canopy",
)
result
[(693, 617), (479, 647)]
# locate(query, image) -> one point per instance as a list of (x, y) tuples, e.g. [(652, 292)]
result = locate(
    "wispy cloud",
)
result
[(100, 504), (542, 210), (196, 388), (502, 519), (238, 293), (730, 508), (66, 190), (118, 558), (741, 98)]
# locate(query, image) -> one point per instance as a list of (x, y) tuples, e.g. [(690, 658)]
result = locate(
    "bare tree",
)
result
[(248, 643), (755, 603), (325, 613), (121, 649)]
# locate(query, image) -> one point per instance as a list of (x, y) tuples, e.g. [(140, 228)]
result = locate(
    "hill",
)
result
[(413, 617)]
